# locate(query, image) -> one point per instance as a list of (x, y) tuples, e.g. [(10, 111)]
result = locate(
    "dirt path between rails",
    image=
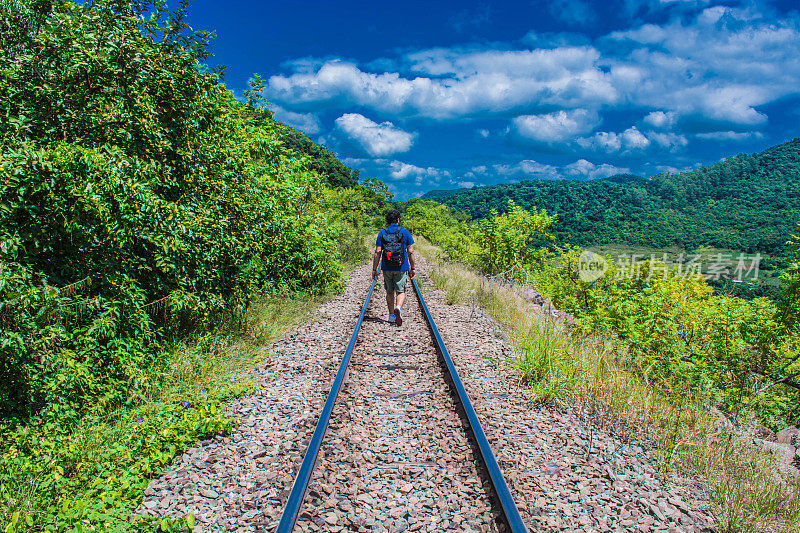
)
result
[(383, 428)]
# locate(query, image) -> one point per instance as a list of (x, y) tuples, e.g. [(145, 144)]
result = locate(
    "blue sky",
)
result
[(441, 95)]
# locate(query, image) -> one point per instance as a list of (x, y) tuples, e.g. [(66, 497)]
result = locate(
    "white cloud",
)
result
[(551, 40), (308, 123), (661, 120), (720, 64), (466, 184), (606, 141), (453, 83), (402, 177), (402, 170), (729, 135), (483, 133), (633, 139), (527, 168), (671, 141), (555, 127), (586, 169), (610, 142), (376, 139)]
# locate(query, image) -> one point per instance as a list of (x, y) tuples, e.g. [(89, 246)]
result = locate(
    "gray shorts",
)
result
[(395, 280)]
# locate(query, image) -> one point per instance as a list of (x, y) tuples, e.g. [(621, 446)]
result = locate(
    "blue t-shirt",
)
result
[(408, 240)]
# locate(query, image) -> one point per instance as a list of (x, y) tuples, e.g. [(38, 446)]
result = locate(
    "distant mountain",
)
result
[(747, 202), (440, 193), (625, 178), (616, 178)]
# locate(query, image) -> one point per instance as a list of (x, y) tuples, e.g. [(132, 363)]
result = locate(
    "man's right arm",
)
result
[(375, 261)]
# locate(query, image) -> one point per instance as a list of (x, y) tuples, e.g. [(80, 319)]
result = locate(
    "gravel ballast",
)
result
[(395, 457)]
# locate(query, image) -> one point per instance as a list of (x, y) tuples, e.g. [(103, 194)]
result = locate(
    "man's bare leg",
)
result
[(390, 301), (401, 297), (398, 313)]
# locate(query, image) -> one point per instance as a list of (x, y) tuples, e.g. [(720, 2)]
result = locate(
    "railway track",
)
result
[(396, 456), (398, 446)]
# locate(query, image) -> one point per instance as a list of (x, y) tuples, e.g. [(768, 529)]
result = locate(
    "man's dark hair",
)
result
[(392, 217)]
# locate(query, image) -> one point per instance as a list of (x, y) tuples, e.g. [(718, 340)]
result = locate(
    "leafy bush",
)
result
[(129, 172), (729, 350)]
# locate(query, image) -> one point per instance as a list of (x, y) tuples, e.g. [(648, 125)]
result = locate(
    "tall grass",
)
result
[(589, 372)]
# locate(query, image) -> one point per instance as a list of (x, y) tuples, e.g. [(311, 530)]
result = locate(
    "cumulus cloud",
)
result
[(452, 83), (555, 127), (661, 120), (722, 64), (376, 139), (718, 63), (402, 177), (702, 73), (633, 139), (588, 170), (308, 123), (670, 141), (610, 142), (402, 171)]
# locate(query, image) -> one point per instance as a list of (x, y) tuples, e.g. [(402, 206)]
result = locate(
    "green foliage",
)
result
[(678, 333), (499, 245), (436, 222), (735, 353), (353, 213), (790, 298), (127, 163), (504, 242), (322, 160), (92, 474), (747, 202), (140, 202), (97, 476), (379, 190)]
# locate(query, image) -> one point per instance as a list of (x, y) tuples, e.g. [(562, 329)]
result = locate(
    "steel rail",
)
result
[(513, 519), (296, 496)]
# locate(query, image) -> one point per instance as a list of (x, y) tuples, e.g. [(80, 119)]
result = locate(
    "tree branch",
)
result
[(786, 380)]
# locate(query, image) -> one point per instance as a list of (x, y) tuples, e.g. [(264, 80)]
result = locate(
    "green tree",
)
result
[(790, 297), (503, 240)]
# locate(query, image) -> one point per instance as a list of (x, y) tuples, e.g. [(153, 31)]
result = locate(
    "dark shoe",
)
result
[(398, 320)]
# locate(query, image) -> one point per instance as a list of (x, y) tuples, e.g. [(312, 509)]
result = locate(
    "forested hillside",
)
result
[(748, 202)]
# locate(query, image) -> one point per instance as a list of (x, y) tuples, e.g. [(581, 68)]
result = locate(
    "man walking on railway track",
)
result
[(394, 249)]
